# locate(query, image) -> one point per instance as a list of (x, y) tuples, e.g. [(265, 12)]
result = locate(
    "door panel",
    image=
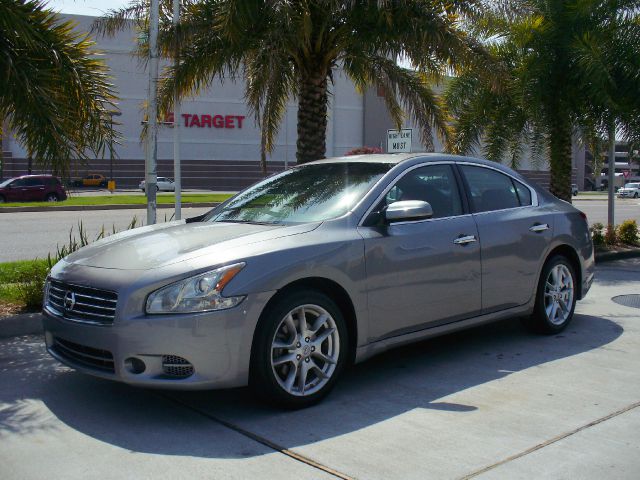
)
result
[(417, 277), (511, 255), (514, 234)]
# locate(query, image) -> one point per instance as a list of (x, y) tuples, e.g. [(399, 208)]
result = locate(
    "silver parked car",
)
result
[(328, 263), (163, 184)]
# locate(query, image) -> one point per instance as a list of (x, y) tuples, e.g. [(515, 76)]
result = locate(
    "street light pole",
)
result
[(177, 172), (112, 113), (612, 175), (151, 175)]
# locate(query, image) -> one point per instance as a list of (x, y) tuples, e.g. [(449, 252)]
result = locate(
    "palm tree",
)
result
[(566, 67), (53, 92), (289, 49)]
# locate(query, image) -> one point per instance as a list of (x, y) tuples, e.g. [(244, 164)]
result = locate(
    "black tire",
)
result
[(103, 184), (539, 321), (635, 195), (263, 378), (2, 199), (51, 197)]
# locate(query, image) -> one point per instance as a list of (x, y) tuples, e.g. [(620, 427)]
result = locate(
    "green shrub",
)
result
[(29, 285), (611, 235), (628, 232), (597, 234)]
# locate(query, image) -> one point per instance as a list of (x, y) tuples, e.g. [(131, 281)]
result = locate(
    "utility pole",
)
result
[(177, 171), (612, 175), (151, 174)]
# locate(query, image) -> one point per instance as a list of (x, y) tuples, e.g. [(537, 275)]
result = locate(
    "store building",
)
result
[(220, 143)]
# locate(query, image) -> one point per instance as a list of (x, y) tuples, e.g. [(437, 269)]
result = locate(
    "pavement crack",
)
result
[(260, 439), (551, 441)]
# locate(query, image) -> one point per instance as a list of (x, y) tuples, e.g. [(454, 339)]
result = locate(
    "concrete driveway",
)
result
[(494, 402)]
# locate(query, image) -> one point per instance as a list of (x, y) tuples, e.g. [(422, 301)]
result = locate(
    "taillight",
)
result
[(584, 216)]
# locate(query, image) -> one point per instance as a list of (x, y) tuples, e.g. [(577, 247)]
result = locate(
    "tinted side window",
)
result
[(19, 183), (524, 194), (490, 190), (435, 184), (33, 182)]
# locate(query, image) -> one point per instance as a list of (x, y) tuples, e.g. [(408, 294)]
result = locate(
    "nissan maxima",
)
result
[(323, 265)]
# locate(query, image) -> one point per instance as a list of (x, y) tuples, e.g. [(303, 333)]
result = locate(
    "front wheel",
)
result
[(52, 197), (2, 199), (555, 297), (300, 348), (635, 195)]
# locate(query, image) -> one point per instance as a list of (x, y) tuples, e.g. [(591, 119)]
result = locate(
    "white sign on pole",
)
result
[(399, 141)]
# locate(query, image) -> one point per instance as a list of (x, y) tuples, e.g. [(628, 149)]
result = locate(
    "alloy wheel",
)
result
[(558, 294), (305, 350)]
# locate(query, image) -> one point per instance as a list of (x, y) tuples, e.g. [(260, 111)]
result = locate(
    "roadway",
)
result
[(25, 235)]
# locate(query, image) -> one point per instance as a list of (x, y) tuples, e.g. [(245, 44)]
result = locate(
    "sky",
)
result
[(85, 7)]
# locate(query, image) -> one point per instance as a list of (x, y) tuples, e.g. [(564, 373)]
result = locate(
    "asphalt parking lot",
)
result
[(494, 402)]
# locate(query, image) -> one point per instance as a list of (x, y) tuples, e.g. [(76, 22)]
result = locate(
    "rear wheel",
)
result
[(635, 195), (555, 297), (2, 199), (51, 197), (300, 348)]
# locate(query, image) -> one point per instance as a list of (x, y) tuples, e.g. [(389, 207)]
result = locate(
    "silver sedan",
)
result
[(311, 269)]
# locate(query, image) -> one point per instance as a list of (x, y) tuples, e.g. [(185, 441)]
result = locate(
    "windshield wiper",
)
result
[(251, 222)]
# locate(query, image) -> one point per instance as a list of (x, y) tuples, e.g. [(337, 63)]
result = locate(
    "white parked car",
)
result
[(630, 190), (164, 184)]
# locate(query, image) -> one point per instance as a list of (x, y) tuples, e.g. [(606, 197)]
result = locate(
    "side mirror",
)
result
[(408, 210)]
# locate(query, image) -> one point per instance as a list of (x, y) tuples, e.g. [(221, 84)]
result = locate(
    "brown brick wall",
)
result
[(208, 174)]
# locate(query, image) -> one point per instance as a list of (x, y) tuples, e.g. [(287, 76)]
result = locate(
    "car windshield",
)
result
[(6, 182), (633, 185), (309, 193)]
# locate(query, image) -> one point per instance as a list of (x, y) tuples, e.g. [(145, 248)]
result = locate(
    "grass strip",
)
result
[(9, 272), (125, 200)]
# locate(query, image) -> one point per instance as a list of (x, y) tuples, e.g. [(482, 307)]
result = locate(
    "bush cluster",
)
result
[(625, 233), (364, 151)]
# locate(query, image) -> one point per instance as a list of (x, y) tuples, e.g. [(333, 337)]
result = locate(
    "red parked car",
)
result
[(37, 188)]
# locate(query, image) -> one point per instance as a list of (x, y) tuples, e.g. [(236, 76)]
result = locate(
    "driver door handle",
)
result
[(539, 227), (465, 239)]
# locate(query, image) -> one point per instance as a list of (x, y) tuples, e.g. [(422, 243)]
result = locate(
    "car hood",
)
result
[(168, 243)]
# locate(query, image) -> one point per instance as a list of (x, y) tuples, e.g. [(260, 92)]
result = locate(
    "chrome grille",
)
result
[(83, 355), (81, 304)]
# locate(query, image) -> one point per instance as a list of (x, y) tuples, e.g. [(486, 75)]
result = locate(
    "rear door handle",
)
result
[(539, 227), (465, 239)]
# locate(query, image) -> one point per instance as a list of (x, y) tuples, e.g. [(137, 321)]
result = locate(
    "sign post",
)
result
[(399, 141)]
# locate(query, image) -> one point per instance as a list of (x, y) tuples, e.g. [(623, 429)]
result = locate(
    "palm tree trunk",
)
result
[(312, 118), (560, 159)]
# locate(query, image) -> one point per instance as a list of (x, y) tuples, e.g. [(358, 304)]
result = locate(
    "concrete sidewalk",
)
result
[(494, 402)]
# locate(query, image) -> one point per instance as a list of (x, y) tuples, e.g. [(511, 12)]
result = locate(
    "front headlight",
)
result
[(202, 293)]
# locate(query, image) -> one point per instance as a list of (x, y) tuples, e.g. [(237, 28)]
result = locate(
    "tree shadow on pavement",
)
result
[(418, 376)]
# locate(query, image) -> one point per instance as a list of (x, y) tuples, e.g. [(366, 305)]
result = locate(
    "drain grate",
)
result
[(632, 301)]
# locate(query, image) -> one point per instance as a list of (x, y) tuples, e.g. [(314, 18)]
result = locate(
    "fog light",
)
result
[(134, 365)]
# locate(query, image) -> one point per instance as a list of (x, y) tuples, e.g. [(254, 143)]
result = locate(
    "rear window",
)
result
[(491, 190), (33, 182)]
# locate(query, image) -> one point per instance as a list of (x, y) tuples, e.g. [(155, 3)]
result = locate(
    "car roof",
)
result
[(35, 176), (397, 158)]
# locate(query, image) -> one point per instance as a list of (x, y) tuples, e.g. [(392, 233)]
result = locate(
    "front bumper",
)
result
[(216, 344)]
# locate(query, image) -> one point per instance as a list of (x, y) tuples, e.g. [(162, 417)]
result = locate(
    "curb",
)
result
[(602, 257), (77, 208), (21, 324)]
